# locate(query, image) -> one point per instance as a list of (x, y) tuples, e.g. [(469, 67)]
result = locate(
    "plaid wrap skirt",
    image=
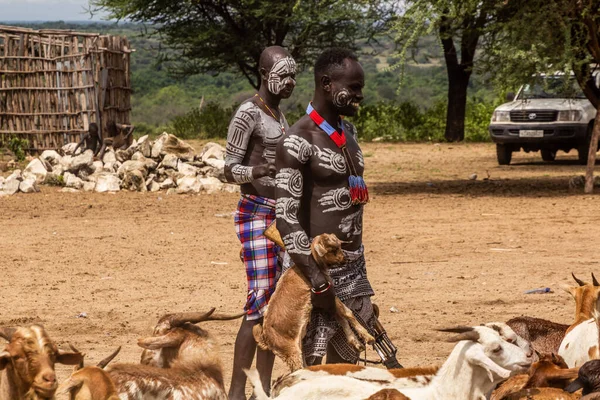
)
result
[(261, 256)]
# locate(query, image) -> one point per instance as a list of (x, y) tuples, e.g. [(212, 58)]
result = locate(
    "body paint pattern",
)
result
[(351, 224), (331, 160), (287, 208), (336, 200), (290, 180), (297, 242), (279, 75), (250, 121), (298, 147), (341, 98)]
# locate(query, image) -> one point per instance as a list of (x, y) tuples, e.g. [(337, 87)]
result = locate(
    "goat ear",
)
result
[(69, 358), (4, 359), (477, 357), (160, 342), (465, 333), (570, 290), (320, 249)]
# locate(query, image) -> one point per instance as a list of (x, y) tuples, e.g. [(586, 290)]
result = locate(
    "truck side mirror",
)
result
[(510, 96)]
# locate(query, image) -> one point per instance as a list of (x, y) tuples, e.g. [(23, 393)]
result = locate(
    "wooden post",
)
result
[(589, 172)]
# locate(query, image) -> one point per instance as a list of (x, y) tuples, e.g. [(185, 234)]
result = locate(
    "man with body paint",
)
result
[(320, 190), (254, 132)]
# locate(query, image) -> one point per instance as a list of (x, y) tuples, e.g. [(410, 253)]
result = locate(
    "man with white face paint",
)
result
[(320, 189), (254, 132)]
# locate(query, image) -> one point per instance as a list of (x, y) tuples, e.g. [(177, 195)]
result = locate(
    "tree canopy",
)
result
[(212, 36)]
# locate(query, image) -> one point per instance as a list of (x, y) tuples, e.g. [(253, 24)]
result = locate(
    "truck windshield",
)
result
[(552, 87)]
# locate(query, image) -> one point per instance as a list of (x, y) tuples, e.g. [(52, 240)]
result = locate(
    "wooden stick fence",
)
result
[(54, 83)]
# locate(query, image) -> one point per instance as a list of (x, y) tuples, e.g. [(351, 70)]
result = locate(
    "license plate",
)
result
[(531, 133)]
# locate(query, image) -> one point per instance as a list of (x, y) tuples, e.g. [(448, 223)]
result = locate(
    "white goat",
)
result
[(479, 361), (398, 378)]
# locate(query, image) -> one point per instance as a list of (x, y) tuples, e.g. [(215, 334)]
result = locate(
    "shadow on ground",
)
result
[(523, 187)]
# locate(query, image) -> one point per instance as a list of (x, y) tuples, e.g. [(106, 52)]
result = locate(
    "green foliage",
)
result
[(55, 180), (209, 122), (18, 147), (212, 36), (407, 122)]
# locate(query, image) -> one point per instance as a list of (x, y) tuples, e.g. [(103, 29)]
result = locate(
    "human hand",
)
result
[(322, 294), (263, 170)]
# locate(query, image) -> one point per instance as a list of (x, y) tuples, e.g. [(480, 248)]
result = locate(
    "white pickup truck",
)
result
[(548, 116)]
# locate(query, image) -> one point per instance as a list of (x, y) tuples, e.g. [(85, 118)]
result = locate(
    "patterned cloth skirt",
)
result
[(260, 255)]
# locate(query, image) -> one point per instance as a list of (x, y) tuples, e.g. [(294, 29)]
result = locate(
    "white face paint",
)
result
[(341, 98), (281, 74)]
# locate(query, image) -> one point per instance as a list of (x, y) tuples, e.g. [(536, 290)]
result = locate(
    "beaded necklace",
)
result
[(358, 188)]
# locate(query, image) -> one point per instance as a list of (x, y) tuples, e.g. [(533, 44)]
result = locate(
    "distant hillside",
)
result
[(158, 97)]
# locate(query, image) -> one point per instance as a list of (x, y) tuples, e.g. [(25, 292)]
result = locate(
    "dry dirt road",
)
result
[(442, 249)]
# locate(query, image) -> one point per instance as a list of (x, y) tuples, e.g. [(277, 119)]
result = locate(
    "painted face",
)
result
[(346, 87), (282, 77)]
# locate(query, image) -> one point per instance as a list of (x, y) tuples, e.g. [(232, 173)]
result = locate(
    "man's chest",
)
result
[(330, 164)]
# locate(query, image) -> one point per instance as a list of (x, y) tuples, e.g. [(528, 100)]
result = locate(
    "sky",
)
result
[(46, 10)]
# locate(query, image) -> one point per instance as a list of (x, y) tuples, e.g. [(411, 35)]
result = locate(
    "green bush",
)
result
[(18, 147), (211, 121)]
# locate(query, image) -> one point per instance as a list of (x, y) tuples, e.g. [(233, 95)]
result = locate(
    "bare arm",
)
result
[(240, 131), (85, 137), (293, 153)]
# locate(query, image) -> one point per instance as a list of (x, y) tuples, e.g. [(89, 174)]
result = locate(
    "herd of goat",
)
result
[(524, 358)]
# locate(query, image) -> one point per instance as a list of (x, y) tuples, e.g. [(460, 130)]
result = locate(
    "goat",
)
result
[(90, 383), (545, 336), (388, 394), (581, 340), (180, 361), (480, 360), (550, 371), (399, 378), (588, 379), (542, 394), (27, 364), (286, 318)]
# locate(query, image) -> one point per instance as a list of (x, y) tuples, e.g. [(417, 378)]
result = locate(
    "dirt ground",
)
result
[(442, 249)]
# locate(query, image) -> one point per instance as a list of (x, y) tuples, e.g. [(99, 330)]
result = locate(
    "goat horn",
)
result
[(7, 333), (102, 364), (465, 333), (594, 280), (191, 317), (579, 281)]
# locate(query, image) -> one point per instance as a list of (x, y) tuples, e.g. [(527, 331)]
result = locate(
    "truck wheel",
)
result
[(548, 155), (504, 154)]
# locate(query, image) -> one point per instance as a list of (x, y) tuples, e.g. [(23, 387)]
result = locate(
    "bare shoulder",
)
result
[(248, 107), (303, 128)]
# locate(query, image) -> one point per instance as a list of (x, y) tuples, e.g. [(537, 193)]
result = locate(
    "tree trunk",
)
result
[(589, 172), (458, 81)]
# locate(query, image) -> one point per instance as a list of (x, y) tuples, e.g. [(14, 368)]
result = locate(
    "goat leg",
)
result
[(345, 318)]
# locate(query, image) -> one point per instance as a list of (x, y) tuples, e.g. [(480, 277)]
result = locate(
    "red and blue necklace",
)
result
[(359, 194)]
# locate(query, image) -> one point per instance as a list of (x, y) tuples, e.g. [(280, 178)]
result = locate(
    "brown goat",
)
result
[(27, 364), (180, 361), (90, 383), (550, 371), (545, 336), (286, 318), (388, 394), (542, 394)]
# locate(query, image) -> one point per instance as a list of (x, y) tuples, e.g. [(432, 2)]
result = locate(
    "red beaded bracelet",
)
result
[(321, 291)]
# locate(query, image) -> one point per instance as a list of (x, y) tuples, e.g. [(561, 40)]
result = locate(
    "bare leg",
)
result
[(264, 364), (243, 355)]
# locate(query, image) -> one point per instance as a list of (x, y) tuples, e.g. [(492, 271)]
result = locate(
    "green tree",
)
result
[(459, 25), (228, 35), (540, 36)]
